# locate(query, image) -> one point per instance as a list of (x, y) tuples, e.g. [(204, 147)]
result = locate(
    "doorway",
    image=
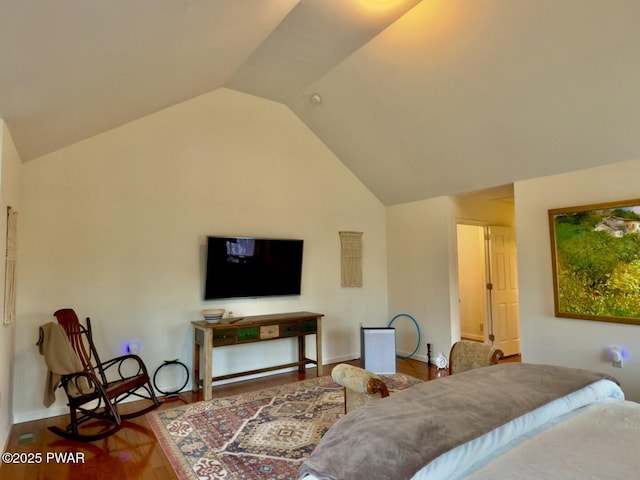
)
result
[(487, 286), (472, 282)]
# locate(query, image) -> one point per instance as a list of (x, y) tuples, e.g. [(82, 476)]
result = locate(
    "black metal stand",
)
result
[(166, 363)]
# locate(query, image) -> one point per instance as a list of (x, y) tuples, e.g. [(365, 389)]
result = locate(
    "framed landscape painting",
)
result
[(596, 261)]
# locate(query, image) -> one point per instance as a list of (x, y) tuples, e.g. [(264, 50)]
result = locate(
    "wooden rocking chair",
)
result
[(94, 394)]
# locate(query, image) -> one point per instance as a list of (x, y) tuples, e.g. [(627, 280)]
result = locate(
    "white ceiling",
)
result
[(419, 98)]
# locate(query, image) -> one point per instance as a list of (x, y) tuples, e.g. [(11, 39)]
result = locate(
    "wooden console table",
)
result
[(260, 328)]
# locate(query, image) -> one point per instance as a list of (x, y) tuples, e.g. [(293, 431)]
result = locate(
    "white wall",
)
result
[(9, 195), (563, 341), (420, 238), (115, 227), (487, 211), (422, 265)]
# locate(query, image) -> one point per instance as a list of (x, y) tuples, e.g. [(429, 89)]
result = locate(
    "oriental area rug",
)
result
[(258, 435)]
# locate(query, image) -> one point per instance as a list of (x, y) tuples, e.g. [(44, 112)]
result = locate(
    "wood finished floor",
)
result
[(133, 452)]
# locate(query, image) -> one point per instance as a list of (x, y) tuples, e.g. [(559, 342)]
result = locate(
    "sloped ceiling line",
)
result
[(420, 98)]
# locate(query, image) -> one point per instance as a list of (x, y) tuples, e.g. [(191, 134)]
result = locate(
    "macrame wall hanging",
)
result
[(351, 259), (10, 267)]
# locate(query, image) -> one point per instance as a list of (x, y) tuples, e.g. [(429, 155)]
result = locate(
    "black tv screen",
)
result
[(252, 267)]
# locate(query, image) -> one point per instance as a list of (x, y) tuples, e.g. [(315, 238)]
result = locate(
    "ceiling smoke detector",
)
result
[(316, 99)]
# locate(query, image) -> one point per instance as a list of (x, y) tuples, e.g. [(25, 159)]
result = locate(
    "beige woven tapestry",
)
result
[(10, 267), (351, 260)]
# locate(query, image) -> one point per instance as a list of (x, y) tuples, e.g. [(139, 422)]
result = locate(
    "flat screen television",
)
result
[(252, 267)]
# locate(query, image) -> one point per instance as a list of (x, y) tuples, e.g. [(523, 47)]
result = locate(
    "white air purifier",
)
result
[(378, 349)]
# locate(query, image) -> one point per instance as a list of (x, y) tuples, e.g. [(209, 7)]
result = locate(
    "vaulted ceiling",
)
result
[(417, 98)]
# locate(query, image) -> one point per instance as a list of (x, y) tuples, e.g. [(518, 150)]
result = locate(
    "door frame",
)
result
[(489, 318)]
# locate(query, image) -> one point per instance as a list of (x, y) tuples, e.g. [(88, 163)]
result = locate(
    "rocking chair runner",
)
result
[(109, 384)]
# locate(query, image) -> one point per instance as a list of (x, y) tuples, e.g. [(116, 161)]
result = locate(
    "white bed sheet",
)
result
[(601, 442), (459, 462)]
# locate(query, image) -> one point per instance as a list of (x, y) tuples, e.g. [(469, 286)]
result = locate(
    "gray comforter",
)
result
[(395, 437)]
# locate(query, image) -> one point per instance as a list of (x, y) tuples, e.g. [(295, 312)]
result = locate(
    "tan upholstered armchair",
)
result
[(360, 386), (466, 355)]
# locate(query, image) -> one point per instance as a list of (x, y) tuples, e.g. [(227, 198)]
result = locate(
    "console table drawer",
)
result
[(269, 331), (289, 329), (309, 326), (247, 334), (224, 337)]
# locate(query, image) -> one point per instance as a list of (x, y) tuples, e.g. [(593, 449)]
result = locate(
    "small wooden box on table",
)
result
[(259, 328)]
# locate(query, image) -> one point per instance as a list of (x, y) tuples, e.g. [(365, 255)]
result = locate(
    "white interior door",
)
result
[(503, 290)]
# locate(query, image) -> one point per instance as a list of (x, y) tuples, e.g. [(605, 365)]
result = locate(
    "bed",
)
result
[(516, 421)]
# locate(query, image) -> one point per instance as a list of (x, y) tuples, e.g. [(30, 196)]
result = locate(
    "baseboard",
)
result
[(64, 410), (40, 414), (5, 435)]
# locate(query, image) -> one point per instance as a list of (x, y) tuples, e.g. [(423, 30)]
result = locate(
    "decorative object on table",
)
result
[(255, 435), (213, 315), (351, 259), (596, 261)]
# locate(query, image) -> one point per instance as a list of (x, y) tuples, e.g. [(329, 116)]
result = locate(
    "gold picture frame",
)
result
[(596, 261)]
